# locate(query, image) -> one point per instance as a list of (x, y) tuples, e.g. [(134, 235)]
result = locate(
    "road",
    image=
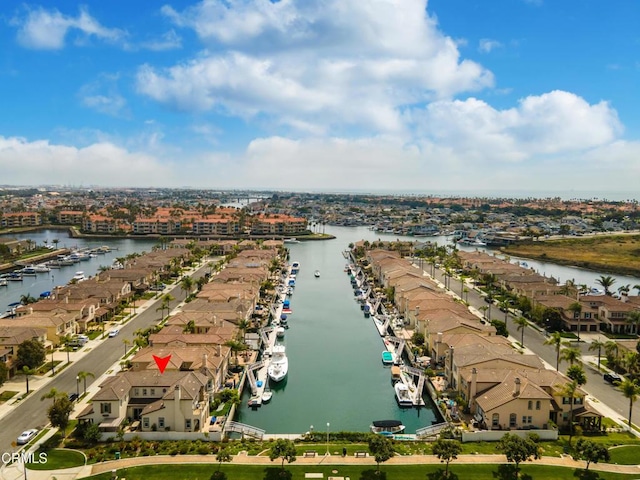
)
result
[(534, 341), (32, 412)]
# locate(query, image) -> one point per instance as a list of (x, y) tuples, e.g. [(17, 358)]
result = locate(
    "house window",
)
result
[(144, 392), (161, 422), (587, 316), (145, 422), (495, 420), (105, 408), (512, 420), (153, 392), (187, 424), (578, 401), (527, 419), (136, 392), (164, 390), (530, 404), (537, 404), (566, 401)]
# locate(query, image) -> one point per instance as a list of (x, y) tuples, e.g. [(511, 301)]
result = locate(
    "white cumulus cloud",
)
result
[(486, 45), (44, 29), (331, 63)]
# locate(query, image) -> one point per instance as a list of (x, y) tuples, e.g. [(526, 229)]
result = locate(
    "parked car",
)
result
[(26, 436), (612, 378), (114, 333), (73, 397)]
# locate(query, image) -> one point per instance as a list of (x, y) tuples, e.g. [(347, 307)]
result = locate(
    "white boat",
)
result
[(316, 274), (42, 268), (295, 266), (280, 332), (402, 394), (28, 271), (291, 240), (78, 277), (279, 365), (387, 427), (266, 395), (3, 282)]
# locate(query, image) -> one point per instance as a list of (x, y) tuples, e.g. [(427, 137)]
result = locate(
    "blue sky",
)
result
[(457, 95)]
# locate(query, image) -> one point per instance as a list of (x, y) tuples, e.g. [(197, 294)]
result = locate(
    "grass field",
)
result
[(615, 253), (625, 455), (59, 458), (401, 472)]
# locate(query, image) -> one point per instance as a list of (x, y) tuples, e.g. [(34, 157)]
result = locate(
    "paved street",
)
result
[(31, 412)]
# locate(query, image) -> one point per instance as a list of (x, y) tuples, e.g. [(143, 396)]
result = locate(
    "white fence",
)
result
[(495, 435)]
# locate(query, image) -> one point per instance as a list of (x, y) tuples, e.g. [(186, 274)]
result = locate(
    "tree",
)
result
[(501, 327), (92, 433), (4, 373), (186, 284), (235, 347), (590, 452), (53, 394), (633, 319), (630, 389), (31, 353), (517, 449), (166, 304), (28, 371), (570, 354), (576, 372), (569, 391), (522, 323), (446, 450), (83, 376), (284, 449), (576, 309), (597, 345), (59, 412), (606, 282), (557, 341), (381, 448)]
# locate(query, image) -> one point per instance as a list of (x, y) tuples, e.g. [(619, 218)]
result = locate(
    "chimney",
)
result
[(205, 363), (439, 337), (177, 394), (516, 391), (451, 385), (473, 389), (218, 350)]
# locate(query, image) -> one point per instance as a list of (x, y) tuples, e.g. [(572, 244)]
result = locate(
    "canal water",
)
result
[(336, 374), (44, 282)]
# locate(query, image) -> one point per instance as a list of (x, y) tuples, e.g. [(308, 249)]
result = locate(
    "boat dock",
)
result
[(257, 373)]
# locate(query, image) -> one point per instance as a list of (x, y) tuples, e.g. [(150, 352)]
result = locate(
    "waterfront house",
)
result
[(56, 324), (171, 401)]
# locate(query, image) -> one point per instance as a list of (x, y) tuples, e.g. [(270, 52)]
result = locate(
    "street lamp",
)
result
[(328, 438), (77, 386)]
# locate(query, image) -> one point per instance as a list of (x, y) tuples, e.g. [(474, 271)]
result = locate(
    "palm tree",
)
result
[(606, 282), (190, 327), (569, 391), (166, 303), (630, 389), (633, 319), (576, 309), (235, 347), (186, 284), (557, 341), (624, 289), (83, 376), (637, 287), (52, 394), (28, 371), (597, 345), (611, 351), (571, 355), (522, 323), (126, 343)]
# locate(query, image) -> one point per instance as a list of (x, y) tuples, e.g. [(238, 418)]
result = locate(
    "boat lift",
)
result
[(264, 334), (419, 373), (399, 344)]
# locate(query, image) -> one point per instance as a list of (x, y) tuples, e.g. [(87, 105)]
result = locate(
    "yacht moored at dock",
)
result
[(79, 277), (402, 394), (279, 365), (387, 427)]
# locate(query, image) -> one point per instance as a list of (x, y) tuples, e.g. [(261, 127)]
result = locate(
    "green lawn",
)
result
[(627, 455), (403, 472), (7, 395), (59, 458)]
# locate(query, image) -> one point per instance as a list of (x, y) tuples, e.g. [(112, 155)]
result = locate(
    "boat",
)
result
[(3, 282), (387, 427), (387, 357), (79, 277), (402, 394), (295, 266), (367, 310), (41, 268), (291, 240), (54, 264), (15, 277), (316, 274), (280, 332), (279, 365), (266, 395), (28, 271), (396, 374)]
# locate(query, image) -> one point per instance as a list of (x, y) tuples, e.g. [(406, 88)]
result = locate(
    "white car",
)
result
[(114, 333), (26, 436)]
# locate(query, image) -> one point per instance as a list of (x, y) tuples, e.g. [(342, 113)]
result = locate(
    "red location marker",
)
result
[(162, 362)]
